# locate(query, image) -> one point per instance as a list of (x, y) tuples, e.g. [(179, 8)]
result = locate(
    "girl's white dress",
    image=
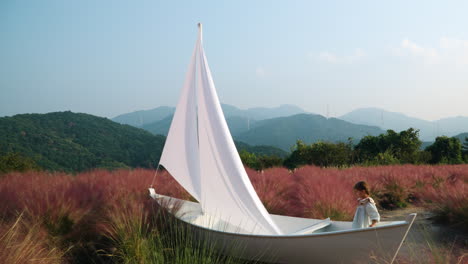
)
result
[(365, 213)]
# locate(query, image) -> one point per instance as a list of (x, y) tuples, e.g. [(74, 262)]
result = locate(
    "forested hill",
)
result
[(283, 132), (463, 137), (75, 142)]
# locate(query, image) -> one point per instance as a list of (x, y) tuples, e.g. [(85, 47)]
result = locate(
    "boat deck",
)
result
[(191, 212)]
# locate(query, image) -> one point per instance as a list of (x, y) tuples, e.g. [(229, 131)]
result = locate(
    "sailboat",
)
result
[(200, 154)]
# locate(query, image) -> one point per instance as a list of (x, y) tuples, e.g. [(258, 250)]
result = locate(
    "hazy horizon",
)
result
[(108, 58), (241, 108), (323, 114)]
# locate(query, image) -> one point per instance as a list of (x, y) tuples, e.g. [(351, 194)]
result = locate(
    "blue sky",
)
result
[(111, 57)]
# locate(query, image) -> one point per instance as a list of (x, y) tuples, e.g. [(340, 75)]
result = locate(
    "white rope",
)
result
[(404, 237)]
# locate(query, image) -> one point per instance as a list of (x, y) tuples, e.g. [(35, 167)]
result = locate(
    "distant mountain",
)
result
[(261, 150), (452, 126), (69, 141), (160, 127), (425, 144), (283, 132), (261, 113), (429, 130), (140, 118), (236, 125), (462, 137), (147, 117), (230, 110)]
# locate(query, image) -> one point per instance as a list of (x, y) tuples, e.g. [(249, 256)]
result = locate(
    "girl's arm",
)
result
[(373, 214)]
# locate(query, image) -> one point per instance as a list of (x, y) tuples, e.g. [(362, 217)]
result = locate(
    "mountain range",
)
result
[(429, 130), (241, 120), (142, 117), (462, 137), (75, 142), (283, 132), (282, 126), (146, 117)]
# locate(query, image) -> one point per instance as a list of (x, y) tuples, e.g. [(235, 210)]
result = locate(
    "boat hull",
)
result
[(337, 244), (354, 247)]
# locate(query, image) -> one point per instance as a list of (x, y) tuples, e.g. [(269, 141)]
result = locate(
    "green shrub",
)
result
[(14, 161), (386, 158), (445, 150), (395, 193)]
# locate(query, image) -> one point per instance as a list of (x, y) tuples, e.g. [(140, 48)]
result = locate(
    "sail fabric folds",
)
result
[(226, 190), (200, 154), (180, 155)]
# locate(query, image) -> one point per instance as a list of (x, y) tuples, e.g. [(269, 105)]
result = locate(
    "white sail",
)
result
[(200, 154), (180, 155), (226, 190)]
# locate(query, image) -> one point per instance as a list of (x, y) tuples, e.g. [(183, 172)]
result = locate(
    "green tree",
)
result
[(403, 146), (298, 155), (465, 150), (445, 150), (369, 147), (321, 153), (327, 154), (250, 160), (406, 145), (385, 158), (14, 161), (270, 161), (259, 162)]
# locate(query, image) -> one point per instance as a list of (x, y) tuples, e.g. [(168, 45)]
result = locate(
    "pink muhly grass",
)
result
[(395, 185), (42, 193), (276, 188), (165, 184), (448, 199), (325, 193), (127, 216), (74, 209), (23, 241), (39, 194)]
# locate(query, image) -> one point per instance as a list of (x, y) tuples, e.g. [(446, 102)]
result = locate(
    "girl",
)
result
[(366, 213)]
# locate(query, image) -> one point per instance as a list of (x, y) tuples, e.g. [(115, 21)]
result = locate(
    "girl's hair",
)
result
[(362, 186)]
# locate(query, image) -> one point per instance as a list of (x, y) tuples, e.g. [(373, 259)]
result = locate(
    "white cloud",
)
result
[(453, 43), (408, 47), (448, 51), (335, 59), (328, 57)]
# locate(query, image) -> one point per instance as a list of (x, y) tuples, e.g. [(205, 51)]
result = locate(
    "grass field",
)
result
[(107, 217)]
